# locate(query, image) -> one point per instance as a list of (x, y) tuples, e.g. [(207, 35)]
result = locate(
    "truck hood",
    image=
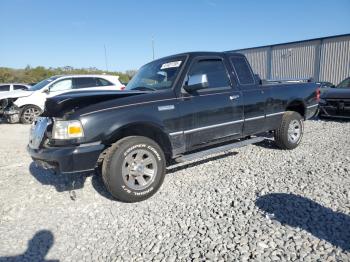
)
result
[(59, 105), (15, 94), (336, 93)]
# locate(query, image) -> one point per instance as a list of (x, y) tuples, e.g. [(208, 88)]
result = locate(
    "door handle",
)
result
[(234, 97)]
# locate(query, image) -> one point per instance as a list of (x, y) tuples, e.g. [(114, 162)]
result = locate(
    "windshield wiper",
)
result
[(144, 88)]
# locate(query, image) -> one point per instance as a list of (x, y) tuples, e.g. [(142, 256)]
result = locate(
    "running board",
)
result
[(201, 154)]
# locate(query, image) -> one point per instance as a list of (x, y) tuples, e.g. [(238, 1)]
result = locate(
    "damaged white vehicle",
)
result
[(25, 105)]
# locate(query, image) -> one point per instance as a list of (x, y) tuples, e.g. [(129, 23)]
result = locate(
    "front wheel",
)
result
[(133, 169), (290, 132), (29, 114)]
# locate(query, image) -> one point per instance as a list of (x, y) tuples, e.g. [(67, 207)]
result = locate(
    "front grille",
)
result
[(335, 102), (337, 107)]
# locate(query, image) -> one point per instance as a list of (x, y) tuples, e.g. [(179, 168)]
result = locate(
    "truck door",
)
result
[(254, 95), (215, 112)]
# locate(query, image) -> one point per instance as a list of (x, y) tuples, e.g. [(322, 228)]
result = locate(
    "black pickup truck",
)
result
[(175, 109)]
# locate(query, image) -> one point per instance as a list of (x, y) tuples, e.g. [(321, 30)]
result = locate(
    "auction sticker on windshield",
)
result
[(171, 64)]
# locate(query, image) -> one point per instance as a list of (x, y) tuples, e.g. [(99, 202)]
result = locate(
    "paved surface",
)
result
[(255, 203)]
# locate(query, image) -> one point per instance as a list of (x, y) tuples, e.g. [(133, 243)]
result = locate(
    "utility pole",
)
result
[(106, 61), (153, 47)]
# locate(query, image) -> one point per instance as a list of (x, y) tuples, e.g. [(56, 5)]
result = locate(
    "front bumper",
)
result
[(12, 114), (68, 159), (327, 110)]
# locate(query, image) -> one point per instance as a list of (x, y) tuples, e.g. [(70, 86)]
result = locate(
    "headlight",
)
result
[(4, 103), (67, 129)]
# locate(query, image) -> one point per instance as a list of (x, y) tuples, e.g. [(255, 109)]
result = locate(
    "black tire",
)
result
[(26, 118), (283, 138), (126, 188)]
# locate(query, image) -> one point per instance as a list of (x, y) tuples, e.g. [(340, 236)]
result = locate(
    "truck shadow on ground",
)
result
[(301, 212), (38, 247), (69, 182), (72, 182), (61, 182), (268, 143)]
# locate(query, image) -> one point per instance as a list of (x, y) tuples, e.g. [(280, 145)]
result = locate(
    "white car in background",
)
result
[(26, 105), (5, 87)]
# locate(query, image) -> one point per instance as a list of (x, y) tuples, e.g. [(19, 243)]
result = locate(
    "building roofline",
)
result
[(293, 42)]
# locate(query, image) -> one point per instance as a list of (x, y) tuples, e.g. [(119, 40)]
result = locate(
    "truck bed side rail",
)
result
[(286, 81)]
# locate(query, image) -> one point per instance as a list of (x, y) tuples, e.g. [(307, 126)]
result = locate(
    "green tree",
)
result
[(39, 73)]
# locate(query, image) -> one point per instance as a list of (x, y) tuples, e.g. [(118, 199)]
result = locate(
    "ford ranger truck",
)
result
[(175, 109)]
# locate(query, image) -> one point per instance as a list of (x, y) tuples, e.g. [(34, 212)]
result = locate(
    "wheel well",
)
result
[(146, 130), (297, 106), (27, 105)]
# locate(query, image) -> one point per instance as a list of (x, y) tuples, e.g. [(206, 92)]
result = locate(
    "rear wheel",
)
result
[(29, 114), (133, 169), (290, 131)]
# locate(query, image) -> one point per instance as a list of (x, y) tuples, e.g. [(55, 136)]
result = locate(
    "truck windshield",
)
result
[(42, 84), (157, 75), (344, 84)]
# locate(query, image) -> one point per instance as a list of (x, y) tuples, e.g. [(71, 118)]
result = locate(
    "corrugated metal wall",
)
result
[(335, 59), (293, 61), (324, 59), (258, 60)]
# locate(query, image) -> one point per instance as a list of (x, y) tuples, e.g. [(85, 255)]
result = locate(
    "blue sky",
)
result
[(74, 32)]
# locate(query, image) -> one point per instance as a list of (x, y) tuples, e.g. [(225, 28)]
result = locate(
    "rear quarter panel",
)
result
[(283, 95)]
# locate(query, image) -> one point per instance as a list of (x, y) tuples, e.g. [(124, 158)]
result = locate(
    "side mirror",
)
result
[(46, 90), (196, 82), (258, 79)]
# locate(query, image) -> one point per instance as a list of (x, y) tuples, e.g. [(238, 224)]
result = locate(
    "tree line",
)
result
[(30, 75)]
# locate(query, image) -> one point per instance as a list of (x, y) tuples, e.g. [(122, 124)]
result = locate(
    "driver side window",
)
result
[(62, 85), (215, 71)]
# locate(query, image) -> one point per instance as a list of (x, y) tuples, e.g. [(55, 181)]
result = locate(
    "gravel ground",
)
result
[(255, 203)]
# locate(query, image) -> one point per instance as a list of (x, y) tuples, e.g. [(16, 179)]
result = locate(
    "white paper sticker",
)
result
[(171, 64)]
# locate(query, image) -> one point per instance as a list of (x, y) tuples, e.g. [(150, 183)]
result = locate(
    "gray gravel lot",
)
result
[(255, 203)]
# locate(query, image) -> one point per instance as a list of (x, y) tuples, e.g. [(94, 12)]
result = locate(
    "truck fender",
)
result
[(297, 105), (148, 128)]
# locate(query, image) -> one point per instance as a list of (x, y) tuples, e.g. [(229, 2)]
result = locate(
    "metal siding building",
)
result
[(324, 59)]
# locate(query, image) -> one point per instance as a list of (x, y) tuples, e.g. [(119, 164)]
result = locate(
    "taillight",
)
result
[(318, 94), (122, 87)]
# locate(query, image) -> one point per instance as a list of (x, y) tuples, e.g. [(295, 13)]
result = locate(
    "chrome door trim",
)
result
[(275, 114), (223, 124), (189, 131), (176, 133), (312, 106), (254, 118)]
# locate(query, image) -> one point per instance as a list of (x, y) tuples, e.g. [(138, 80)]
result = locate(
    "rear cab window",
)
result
[(242, 69)]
